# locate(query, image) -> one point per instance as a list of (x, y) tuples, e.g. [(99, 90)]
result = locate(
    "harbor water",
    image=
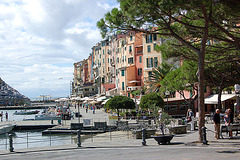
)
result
[(30, 139)]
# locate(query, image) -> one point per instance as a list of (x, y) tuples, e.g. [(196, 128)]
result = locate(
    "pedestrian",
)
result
[(228, 122), (6, 116), (216, 120), (86, 109), (190, 118), (93, 110), (1, 115)]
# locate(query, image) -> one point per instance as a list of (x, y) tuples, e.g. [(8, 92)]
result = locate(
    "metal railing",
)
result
[(27, 140)]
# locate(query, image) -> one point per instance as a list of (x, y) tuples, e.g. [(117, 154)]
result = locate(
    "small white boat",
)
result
[(47, 117), (6, 128)]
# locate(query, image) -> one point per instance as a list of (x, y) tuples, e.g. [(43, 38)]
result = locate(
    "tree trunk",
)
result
[(201, 106), (118, 114), (219, 106)]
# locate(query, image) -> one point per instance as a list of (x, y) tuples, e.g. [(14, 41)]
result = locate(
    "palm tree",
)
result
[(157, 76)]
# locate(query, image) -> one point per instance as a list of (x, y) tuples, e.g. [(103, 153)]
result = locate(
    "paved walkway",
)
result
[(124, 139)]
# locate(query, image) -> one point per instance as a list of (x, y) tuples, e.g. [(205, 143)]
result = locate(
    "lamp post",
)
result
[(78, 113), (167, 93), (237, 104)]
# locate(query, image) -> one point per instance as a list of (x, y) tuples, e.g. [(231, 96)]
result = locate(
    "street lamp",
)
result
[(78, 113), (237, 104), (167, 93)]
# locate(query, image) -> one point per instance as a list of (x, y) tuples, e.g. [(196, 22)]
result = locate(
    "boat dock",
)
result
[(32, 127), (69, 131)]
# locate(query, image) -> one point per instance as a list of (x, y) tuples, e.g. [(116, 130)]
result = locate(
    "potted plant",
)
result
[(164, 119), (154, 102)]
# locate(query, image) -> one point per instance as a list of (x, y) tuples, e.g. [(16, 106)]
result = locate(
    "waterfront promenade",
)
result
[(182, 147), (128, 147)]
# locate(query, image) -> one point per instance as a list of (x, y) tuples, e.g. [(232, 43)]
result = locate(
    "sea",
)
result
[(31, 138)]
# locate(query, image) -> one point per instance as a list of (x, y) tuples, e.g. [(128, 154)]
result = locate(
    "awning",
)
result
[(133, 81), (99, 99), (105, 101), (213, 99), (61, 100)]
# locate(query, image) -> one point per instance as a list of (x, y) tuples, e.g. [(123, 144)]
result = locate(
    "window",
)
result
[(139, 71), (149, 48), (103, 60), (130, 38), (103, 51), (103, 80), (140, 59), (108, 60), (117, 60), (130, 48), (155, 62), (154, 37), (149, 62), (123, 86), (150, 38), (100, 56), (122, 71), (130, 60)]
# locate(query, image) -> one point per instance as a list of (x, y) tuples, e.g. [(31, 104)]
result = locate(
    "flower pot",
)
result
[(163, 138)]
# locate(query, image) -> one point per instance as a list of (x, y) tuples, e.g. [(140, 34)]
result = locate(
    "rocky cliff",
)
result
[(10, 96)]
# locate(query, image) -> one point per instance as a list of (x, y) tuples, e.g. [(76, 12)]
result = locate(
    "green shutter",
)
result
[(151, 62)]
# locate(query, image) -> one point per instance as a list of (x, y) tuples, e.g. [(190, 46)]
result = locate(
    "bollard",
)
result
[(11, 143), (144, 143), (204, 134), (79, 138)]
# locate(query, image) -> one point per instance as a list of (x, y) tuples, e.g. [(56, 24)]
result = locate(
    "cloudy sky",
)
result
[(41, 39)]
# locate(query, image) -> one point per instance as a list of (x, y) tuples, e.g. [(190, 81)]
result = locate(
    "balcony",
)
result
[(133, 88), (148, 69)]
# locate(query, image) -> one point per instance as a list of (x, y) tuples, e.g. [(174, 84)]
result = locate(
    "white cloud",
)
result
[(41, 39)]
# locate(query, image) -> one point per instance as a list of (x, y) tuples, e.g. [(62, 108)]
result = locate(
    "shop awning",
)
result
[(213, 99)]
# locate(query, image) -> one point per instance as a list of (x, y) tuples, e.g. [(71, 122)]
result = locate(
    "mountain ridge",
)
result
[(10, 96)]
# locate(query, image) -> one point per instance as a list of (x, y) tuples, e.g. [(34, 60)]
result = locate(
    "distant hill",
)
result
[(10, 96)]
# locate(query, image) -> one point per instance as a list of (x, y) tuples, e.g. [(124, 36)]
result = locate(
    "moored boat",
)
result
[(25, 112), (47, 117)]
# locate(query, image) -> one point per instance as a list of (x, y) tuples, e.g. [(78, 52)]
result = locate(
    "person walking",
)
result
[(94, 109), (1, 115), (228, 122), (216, 120), (190, 118), (6, 116)]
